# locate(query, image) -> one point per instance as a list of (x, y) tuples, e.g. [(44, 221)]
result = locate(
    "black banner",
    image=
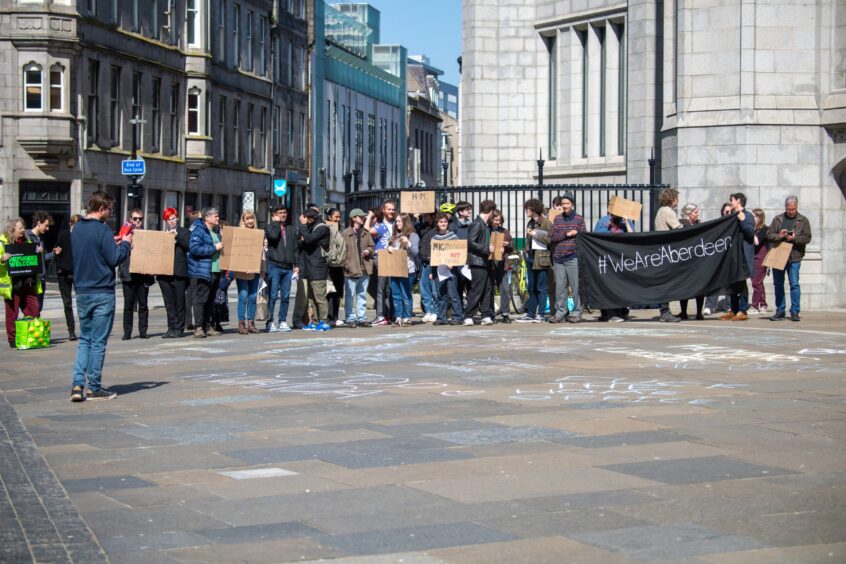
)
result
[(24, 260), (621, 269)]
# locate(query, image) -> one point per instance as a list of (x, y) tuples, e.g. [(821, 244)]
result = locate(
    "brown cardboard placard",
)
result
[(498, 241), (451, 252), (624, 208), (553, 213), (242, 249), (417, 202), (394, 263), (152, 252), (778, 256)]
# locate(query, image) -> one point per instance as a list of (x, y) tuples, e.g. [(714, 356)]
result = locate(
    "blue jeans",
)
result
[(448, 295), (536, 285), (401, 294), (96, 316), (428, 290), (792, 270), (356, 293), (279, 280), (247, 294)]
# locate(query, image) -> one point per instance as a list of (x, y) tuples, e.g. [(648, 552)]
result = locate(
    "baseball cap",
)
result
[(357, 212)]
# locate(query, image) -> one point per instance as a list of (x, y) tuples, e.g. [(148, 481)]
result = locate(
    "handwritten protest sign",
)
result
[(622, 207), (417, 202), (497, 240), (152, 252), (394, 263), (242, 249), (24, 260), (778, 256), (449, 253)]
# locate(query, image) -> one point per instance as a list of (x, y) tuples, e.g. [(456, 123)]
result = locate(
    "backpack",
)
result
[(337, 252)]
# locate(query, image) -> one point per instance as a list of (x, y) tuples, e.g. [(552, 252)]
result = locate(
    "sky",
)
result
[(430, 27)]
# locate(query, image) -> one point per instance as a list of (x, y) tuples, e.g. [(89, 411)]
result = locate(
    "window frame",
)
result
[(33, 67), (192, 101)]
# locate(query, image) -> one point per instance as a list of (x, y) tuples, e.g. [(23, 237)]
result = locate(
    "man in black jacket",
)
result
[(314, 244), (479, 249), (64, 270), (282, 249)]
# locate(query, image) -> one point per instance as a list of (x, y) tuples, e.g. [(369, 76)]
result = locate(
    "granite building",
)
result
[(730, 96)]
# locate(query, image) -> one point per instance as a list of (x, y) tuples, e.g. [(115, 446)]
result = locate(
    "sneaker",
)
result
[(683, 316), (322, 326), (752, 311), (72, 336), (456, 322), (100, 394), (706, 311), (525, 319), (741, 316), (794, 317), (380, 321), (763, 309), (668, 318), (468, 321), (556, 319), (271, 327), (77, 394), (778, 316), (364, 323), (350, 325), (506, 319), (574, 319), (728, 316), (439, 322), (283, 328), (339, 323), (199, 333), (212, 332), (310, 327), (538, 319), (616, 319), (487, 321)]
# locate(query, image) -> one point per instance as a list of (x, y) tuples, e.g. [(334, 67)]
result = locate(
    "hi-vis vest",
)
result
[(5, 279)]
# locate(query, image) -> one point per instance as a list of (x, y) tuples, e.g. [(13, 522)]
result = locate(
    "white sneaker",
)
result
[(706, 311), (487, 321), (468, 321), (271, 328), (432, 317), (283, 328), (339, 323), (616, 319), (753, 311)]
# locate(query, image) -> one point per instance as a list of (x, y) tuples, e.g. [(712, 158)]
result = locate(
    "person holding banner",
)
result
[(173, 287), (791, 227), (247, 284), (739, 291), (502, 268), (41, 224), (203, 251), (314, 244), (358, 267), (610, 223), (404, 237), (136, 288), (568, 225), (447, 278), (480, 296), (759, 293), (665, 220), (689, 218), (64, 271), (20, 293), (538, 260)]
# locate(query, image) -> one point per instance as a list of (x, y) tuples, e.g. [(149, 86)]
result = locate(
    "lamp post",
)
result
[(540, 173), (651, 163), (135, 191)]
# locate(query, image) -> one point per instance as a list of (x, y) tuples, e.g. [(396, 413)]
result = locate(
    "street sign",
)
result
[(280, 187), (133, 167), (248, 202)]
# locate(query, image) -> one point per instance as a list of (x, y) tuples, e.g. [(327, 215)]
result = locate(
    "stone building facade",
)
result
[(424, 121), (731, 96), (214, 83)]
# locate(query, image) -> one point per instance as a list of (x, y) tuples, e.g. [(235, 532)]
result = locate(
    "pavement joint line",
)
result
[(73, 540)]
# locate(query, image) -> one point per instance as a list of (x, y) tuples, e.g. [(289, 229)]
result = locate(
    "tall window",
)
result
[(600, 33), (359, 141), (236, 133), (191, 22), (249, 40), (114, 106), (93, 110), (394, 152), (57, 94), (92, 7), (174, 118), (620, 29), (251, 142), (290, 69), (262, 137), (299, 63), (32, 88), (583, 38), (236, 40), (277, 59), (113, 11), (221, 129), (136, 24), (194, 111), (552, 98), (371, 150), (156, 109), (136, 106), (303, 136), (290, 136), (383, 151), (328, 153), (277, 139), (221, 30), (155, 32), (262, 46)]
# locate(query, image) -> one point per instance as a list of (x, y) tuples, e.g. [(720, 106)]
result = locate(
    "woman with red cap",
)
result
[(173, 287)]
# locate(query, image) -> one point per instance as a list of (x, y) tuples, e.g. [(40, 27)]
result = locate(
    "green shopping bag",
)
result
[(32, 333)]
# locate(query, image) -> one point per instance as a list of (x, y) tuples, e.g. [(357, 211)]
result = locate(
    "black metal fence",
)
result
[(591, 200)]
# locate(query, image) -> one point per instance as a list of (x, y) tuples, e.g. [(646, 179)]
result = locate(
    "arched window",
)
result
[(57, 84), (33, 88)]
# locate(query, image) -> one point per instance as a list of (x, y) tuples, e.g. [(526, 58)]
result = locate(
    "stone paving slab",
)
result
[(690, 443)]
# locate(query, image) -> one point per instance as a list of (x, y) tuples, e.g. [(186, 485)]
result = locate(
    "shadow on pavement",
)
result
[(123, 389)]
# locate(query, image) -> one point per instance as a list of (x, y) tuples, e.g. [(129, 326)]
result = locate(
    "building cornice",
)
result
[(557, 22)]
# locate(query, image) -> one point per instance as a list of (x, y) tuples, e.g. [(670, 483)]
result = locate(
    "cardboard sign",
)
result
[(152, 252), (394, 263), (498, 241), (622, 207), (553, 213), (242, 249), (449, 253), (778, 256), (417, 202), (25, 261)]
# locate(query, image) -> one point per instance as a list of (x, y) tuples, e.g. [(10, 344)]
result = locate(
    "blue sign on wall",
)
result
[(280, 187), (131, 167)]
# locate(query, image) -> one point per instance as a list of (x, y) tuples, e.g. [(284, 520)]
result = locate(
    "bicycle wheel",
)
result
[(519, 292)]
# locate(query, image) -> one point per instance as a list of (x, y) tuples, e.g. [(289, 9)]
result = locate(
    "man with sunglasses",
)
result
[(136, 287)]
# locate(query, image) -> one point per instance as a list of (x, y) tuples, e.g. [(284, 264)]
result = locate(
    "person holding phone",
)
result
[(794, 228)]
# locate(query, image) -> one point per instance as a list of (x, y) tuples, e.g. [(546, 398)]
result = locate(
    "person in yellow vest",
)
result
[(20, 293)]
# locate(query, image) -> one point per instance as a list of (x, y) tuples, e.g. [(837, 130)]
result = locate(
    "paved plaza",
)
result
[(697, 442)]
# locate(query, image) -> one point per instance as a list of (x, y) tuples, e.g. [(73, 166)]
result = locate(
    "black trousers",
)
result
[(188, 321), (204, 291), (480, 293), (336, 274), (135, 294), (173, 293), (66, 289)]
